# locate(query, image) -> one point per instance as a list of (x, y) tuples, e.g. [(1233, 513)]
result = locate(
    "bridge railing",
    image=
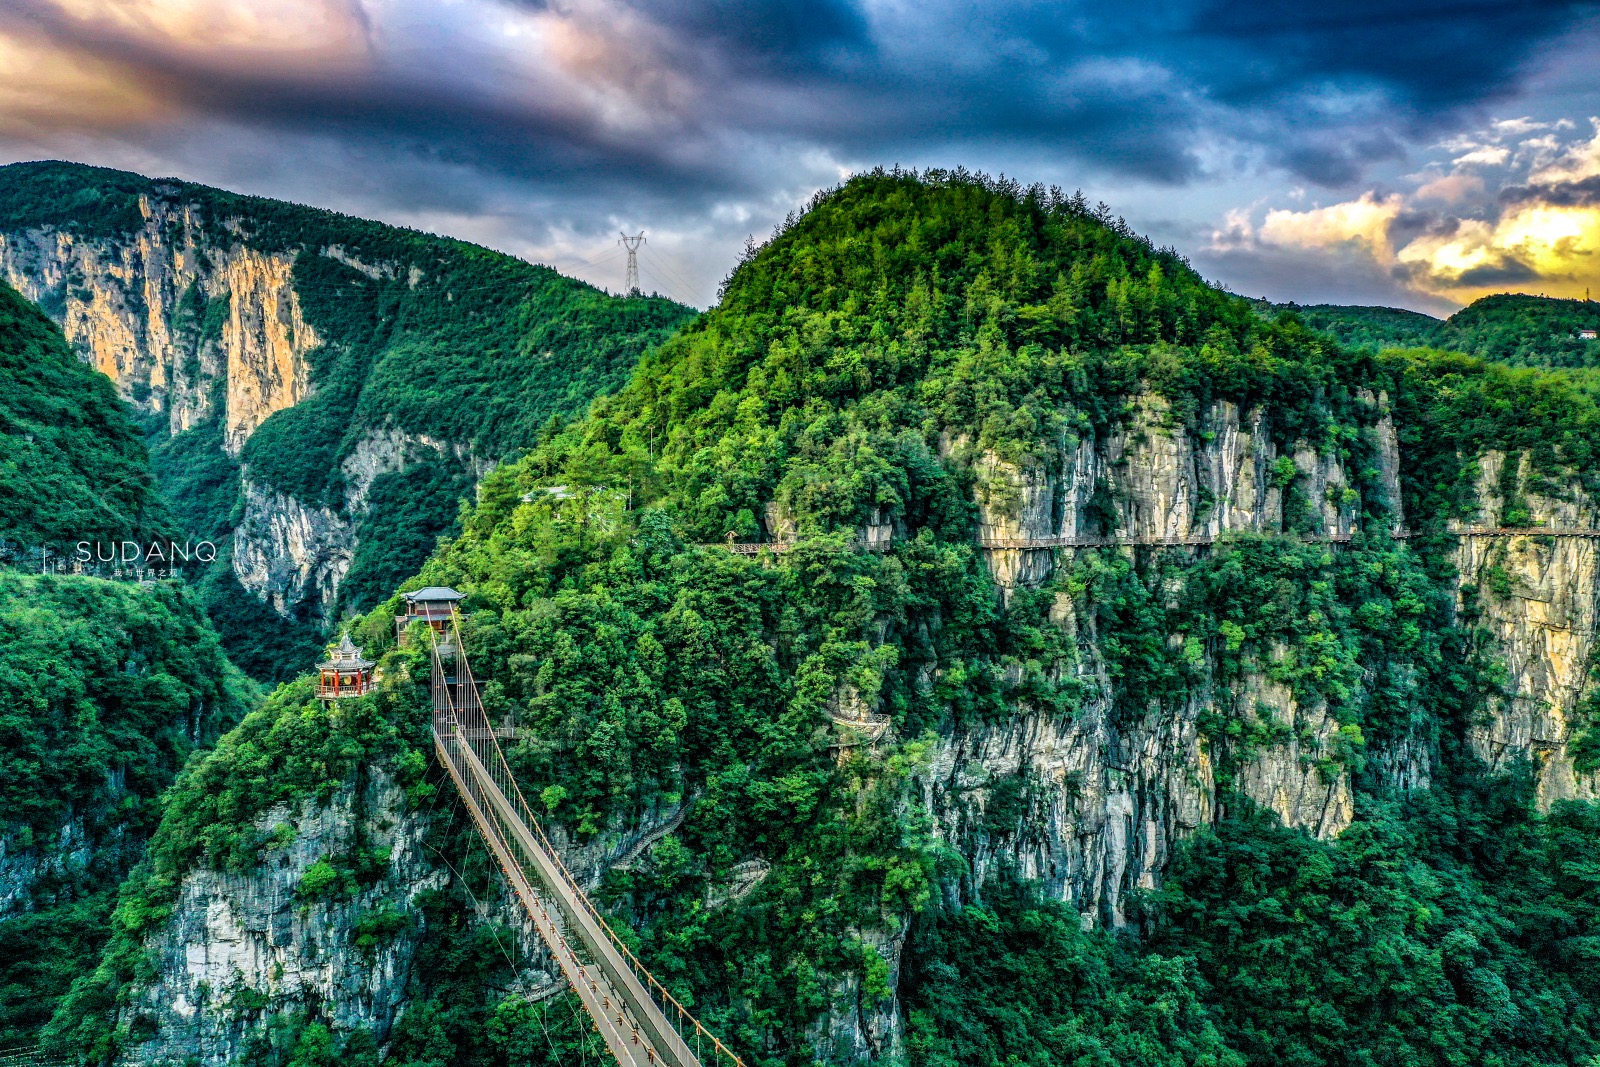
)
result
[(458, 710)]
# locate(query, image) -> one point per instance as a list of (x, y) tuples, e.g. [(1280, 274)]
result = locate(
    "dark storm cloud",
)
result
[(1582, 193), (690, 104), (1505, 274)]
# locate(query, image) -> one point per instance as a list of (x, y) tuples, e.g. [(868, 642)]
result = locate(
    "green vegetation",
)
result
[(72, 466), (1454, 930), (1371, 328), (1526, 331), (108, 688), (1511, 328), (426, 336), (855, 368)]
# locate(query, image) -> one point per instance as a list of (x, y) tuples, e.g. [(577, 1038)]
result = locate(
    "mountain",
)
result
[(1512, 328), (1262, 783), (319, 391)]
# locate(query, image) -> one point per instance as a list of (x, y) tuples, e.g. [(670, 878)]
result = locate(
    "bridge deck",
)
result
[(639, 1020)]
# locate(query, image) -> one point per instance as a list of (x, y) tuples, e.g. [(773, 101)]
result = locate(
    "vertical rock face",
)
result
[(290, 555), (1110, 796), (1539, 598), (1152, 479), (241, 947), (266, 341), (139, 311), (294, 556)]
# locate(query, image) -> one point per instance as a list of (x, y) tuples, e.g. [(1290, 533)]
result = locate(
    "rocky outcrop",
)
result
[(242, 947), (169, 312), (1539, 599), (29, 860), (1152, 478), (294, 556), (290, 555), (1106, 798)]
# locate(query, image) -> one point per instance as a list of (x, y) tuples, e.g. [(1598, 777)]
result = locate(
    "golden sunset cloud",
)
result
[(48, 89), (1362, 222), (289, 34)]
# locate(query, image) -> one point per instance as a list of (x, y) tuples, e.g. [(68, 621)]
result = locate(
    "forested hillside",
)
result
[(1271, 798), (108, 688), (72, 465), (1510, 328), (319, 391)]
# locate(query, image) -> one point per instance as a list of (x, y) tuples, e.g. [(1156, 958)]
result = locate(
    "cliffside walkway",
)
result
[(755, 548), (641, 1023)]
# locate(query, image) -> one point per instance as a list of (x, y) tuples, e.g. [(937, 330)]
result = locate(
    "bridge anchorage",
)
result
[(640, 1021)]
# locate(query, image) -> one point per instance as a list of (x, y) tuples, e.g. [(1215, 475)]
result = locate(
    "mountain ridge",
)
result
[(334, 372), (1251, 803)]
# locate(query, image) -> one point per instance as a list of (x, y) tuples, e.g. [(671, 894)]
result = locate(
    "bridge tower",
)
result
[(432, 605)]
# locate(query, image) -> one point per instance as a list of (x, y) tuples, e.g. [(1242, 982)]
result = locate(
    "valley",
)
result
[(975, 640)]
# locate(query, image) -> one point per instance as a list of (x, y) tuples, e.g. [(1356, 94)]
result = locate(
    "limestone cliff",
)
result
[(193, 323), (1539, 599), (244, 949), (1109, 798), (290, 555), (294, 556), (139, 308)]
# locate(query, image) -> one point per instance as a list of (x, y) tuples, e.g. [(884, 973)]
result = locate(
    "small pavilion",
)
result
[(345, 673), (433, 605)]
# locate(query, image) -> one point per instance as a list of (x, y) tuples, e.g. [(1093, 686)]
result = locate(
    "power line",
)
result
[(630, 286), (663, 266)]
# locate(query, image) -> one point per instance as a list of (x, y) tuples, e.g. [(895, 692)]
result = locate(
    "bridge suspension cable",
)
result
[(640, 1021)]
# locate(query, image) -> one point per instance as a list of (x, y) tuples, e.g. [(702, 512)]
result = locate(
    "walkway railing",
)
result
[(755, 548), (640, 1021)]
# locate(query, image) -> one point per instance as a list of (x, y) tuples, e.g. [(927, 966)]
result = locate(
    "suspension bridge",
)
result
[(640, 1022)]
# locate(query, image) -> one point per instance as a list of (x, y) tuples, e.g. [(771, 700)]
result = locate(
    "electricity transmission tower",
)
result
[(630, 287)]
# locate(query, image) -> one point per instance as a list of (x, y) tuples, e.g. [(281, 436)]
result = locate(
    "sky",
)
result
[(1409, 154)]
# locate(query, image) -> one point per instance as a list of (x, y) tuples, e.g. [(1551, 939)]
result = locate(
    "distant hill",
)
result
[(1527, 331), (1511, 328), (319, 391)]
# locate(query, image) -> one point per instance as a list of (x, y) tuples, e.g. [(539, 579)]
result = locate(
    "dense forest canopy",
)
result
[(72, 464), (109, 687), (1511, 328), (855, 368)]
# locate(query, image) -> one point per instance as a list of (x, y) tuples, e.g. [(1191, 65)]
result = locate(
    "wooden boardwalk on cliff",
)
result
[(755, 548), (639, 1020)]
